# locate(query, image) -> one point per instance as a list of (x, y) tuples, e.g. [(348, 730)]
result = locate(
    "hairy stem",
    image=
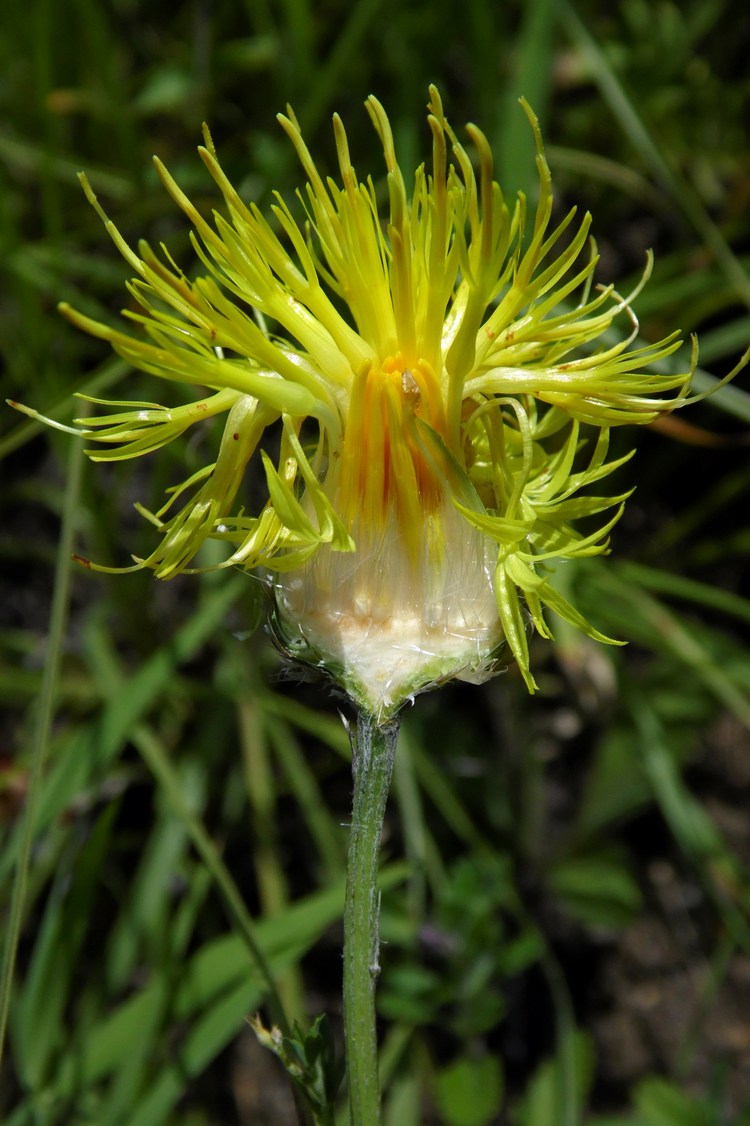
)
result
[(373, 751)]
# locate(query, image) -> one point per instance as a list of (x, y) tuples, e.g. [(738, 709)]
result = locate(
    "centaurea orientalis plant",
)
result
[(437, 379)]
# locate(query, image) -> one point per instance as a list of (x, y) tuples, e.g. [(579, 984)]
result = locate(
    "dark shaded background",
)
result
[(575, 909)]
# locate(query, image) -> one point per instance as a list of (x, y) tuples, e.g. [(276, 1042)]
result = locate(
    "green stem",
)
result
[(373, 751)]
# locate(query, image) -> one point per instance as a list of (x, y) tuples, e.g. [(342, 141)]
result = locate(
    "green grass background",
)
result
[(188, 807)]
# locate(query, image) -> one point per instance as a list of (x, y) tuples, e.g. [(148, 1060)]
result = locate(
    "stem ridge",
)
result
[(373, 753)]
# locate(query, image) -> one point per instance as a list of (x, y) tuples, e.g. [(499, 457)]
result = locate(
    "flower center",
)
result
[(385, 471)]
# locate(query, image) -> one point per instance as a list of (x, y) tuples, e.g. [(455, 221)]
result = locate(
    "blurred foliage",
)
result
[(566, 881)]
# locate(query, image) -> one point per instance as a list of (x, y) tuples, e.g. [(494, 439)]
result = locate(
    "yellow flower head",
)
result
[(439, 382)]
